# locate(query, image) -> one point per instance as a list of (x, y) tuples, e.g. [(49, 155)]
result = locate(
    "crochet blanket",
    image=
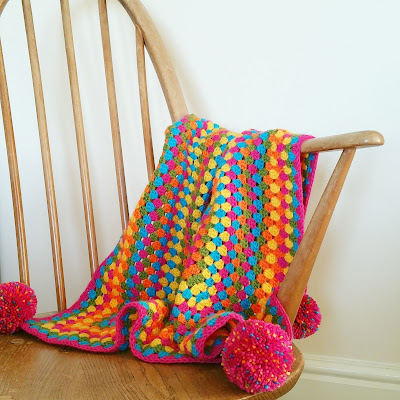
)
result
[(208, 245)]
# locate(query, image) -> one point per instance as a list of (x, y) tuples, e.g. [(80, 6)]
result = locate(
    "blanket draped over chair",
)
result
[(208, 245)]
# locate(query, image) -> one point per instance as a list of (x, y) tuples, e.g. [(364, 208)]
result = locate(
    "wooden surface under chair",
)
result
[(31, 369), (36, 371)]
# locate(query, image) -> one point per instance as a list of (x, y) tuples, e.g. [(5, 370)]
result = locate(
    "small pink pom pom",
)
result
[(17, 304), (257, 356), (308, 318)]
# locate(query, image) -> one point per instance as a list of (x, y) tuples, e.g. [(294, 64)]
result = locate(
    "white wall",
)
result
[(310, 67)]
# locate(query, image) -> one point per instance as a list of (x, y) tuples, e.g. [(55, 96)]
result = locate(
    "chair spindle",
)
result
[(112, 102), (80, 136), (14, 175), (144, 102), (46, 158)]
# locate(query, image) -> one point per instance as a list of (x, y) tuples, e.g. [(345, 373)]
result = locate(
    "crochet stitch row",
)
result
[(208, 245)]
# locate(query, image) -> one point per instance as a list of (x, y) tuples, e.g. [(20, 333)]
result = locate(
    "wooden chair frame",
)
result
[(292, 288)]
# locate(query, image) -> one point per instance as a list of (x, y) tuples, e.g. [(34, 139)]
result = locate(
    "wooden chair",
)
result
[(30, 369)]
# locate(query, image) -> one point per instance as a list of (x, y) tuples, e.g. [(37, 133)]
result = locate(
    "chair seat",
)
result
[(31, 369)]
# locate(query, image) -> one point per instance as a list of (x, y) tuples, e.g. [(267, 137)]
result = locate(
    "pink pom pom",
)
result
[(308, 318), (17, 304), (257, 356)]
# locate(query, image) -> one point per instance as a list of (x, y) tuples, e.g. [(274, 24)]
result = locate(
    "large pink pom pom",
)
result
[(257, 356), (17, 304), (308, 318)]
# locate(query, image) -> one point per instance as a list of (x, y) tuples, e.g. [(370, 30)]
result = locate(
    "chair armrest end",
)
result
[(343, 141)]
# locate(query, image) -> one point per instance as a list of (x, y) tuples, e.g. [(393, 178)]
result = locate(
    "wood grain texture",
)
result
[(14, 175), (343, 141), (112, 103), (35, 370), (2, 5), (295, 282), (46, 158), (80, 136), (144, 102)]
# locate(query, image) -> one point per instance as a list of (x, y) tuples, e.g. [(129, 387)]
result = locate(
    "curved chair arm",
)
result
[(343, 141)]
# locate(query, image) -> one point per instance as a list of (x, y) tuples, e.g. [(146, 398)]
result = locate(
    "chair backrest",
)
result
[(147, 37)]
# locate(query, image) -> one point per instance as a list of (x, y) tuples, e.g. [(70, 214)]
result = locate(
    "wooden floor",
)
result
[(31, 369)]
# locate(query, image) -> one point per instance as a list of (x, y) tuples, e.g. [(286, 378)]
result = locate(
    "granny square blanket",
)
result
[(208, 245)]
